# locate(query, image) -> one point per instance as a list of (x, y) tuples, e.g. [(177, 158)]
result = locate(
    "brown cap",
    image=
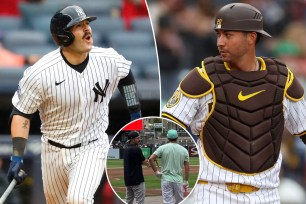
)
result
[(240, 17)]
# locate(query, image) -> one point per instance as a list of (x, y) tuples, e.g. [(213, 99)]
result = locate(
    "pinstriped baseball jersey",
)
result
[(194, 111), (73, 106)]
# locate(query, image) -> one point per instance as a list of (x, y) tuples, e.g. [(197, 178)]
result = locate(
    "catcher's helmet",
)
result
[(63, 20), (240, 17)]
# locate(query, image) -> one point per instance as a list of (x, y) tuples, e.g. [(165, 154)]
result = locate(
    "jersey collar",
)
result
[(261, 61)]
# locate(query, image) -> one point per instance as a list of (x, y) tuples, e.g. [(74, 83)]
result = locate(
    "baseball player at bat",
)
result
[(238, 104), (71, 88)]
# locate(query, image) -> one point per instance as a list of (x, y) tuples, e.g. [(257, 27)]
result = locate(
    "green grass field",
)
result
[(114, 163), (151, 181)]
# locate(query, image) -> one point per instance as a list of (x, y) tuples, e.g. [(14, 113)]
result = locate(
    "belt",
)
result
[(236, 187), (67, 147)]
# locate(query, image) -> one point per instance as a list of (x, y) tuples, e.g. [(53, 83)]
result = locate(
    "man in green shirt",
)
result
[(174, 158)]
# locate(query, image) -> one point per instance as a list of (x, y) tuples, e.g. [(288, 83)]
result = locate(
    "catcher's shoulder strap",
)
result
[(293, 90), (197, 83)]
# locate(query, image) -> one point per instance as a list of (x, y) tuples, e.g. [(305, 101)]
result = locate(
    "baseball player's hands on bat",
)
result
[(15, 166), (158, 174)]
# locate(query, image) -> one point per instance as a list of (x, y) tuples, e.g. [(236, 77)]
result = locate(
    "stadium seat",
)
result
[(107, 24), (130, 39), (30, 11), (42, 24), (144, 58), (8, 23), (34, 49), (24, 38), (150, 71), (141, 24), (136, 71), (9, 78)]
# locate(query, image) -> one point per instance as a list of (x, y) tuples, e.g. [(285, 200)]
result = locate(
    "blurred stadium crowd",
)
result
[(151, 139), (185, 36)]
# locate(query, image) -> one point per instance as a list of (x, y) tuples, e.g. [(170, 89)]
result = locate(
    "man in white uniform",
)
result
[(71, 88), (238, 104)]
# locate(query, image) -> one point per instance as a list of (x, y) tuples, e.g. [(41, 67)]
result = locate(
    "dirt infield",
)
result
[(116, 173)]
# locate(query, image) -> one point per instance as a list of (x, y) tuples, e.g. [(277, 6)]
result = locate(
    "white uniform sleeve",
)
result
[(295, 116), (27, 98), (123, 66), (189, 111)]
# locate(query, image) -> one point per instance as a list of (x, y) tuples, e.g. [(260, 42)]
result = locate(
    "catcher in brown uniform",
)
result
[(239, 104)]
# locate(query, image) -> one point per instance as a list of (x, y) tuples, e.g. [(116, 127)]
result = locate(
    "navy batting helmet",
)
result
[(63, 20)]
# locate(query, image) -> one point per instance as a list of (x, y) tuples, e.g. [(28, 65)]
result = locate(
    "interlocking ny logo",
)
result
[(98, 91), (80, 12)]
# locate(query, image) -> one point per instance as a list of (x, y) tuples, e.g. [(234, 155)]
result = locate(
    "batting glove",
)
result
[(15, 166), (158, 174), (135, 115)]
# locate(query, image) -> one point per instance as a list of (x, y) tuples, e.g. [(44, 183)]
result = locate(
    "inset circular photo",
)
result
[(152, 160)]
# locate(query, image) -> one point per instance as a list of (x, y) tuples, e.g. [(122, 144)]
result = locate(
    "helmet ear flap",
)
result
[(65, 38)]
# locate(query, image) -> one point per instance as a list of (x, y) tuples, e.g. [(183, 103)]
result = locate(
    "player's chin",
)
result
[(225, 57), (88, 46)]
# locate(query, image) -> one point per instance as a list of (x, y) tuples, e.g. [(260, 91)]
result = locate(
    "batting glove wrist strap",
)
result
[(16, 159), (135, 115)]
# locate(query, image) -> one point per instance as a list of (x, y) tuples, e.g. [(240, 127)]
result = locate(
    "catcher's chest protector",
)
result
[(245, 129)]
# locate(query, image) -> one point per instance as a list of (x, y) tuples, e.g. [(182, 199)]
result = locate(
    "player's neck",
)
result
[(74, 58), (245, 65)]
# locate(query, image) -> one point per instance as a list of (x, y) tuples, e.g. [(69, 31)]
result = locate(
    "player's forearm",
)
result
[(186, 168), (145, 162), (152, 163), (20, 127)]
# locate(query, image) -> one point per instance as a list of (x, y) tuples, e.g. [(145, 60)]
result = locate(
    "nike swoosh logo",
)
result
[(58, 83), (246, 97)]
